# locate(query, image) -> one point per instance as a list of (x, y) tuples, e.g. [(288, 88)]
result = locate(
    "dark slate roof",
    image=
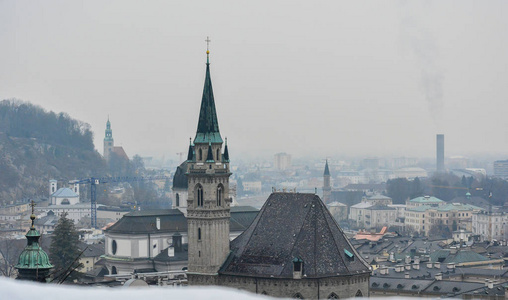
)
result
[(476, 201), (415, 286), (173, 220), (180, 179), (138, 222), (92, 250), (462, 256), (289, 226), (208, 125), (179, 255)]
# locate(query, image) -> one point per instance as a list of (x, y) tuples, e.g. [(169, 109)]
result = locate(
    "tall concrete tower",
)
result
[(440, 165), (208, 203), (109, 143), (327, 189)]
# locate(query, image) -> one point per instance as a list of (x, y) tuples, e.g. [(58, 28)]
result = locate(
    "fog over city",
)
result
[(308, 78)]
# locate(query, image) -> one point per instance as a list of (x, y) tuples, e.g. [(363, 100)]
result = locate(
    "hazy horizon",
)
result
[(327, 79)]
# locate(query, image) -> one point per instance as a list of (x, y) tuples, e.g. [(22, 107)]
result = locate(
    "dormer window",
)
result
[(297, 268), (350, 256)]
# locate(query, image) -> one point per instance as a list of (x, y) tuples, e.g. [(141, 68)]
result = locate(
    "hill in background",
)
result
[(36, 146)]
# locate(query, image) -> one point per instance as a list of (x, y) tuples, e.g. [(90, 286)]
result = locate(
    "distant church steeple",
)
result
[(208, 204), (109, 143), (33, 262), (327, 189)]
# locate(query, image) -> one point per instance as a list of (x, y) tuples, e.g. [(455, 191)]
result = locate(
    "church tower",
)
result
[(109, 143), (327, 189), (208, 202)]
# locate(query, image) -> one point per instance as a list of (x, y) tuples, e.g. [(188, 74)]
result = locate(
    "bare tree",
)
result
[(9, 254)]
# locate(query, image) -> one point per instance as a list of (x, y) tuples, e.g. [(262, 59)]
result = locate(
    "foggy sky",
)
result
[(324, 78)]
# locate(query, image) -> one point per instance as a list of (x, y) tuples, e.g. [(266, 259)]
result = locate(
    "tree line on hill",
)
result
[(447, 186)]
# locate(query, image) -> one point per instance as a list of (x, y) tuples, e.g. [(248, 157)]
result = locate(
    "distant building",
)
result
[(501, 168), (410, 173), (65, 199), (282, 161), (109, 145), (369, 216), (490, 225), (338, 210), (423, 213), (377, 199), (327, 188)]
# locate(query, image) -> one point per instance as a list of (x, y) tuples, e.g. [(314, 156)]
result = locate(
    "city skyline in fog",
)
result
[(310, 79)]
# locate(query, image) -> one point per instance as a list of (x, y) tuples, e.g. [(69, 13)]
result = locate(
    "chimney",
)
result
[(383, 270), (439, 276), (407, 267), (408, 259), (490, 284), (416, 266), (392, 256), (406, 275), (440, 165), (450, 266), (416, 259), (437, 265), (399, 268), (429, 265)]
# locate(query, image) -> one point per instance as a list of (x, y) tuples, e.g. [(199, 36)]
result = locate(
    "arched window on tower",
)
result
[(199, 234), (177, 200), (200, 154), (218, 155), (220, 194), (199, 195)]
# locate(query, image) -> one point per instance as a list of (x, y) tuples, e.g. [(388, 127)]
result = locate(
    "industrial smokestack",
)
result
[(440, 153)]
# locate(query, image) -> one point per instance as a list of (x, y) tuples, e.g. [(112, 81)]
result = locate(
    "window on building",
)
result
[(199, 234), (200, 154), (114, 247), (218, 155), (219, 195), (113, 270), (199, 192), (177, 200), (297, 296)]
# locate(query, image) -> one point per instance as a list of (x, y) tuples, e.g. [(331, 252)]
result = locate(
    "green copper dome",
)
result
[(33, 262)]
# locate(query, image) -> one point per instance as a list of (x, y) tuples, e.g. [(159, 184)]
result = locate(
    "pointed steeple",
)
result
[(190, 154), (208, 125), (226, 152), (327, 171), (109, 132), (209, 156)]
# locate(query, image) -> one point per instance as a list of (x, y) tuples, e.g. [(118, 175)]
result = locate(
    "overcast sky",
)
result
[(326, 78)]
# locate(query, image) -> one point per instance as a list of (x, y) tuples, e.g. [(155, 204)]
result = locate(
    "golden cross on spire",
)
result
[(208, 50), (32, 204), (208, 44)]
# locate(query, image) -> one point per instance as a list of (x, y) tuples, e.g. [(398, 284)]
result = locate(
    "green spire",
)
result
[(327, 171), (226, 152), (109, 132), (208, 126), (209, 156), (33, 262)]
